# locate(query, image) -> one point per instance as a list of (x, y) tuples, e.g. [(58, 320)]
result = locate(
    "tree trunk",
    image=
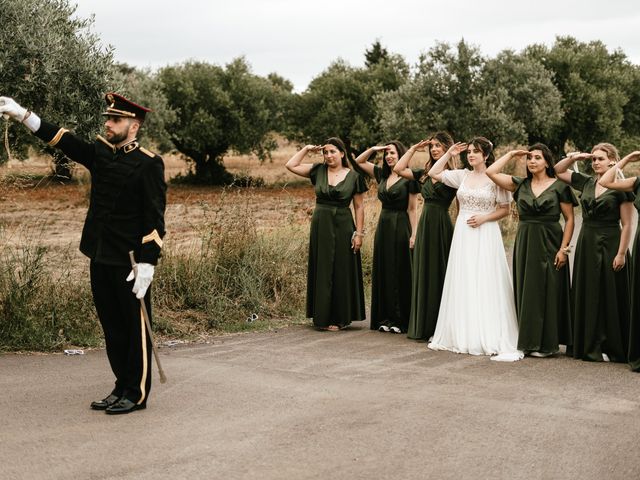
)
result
[(62, 167), (211, 171)]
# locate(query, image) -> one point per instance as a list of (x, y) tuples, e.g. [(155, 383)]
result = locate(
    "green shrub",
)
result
[(232, 271), (43, 303), (213, 285)]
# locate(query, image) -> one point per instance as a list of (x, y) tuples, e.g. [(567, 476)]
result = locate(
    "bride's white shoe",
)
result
[(508, 357)]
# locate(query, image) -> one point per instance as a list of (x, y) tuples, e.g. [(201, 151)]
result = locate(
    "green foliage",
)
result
[(508, 99), (595, 85), (283, 97), (376, 54), (218, 109), (530, 102), (43, 306), (232, 271), (144, 88), (341, 100), (52, 63), (631, 111), (438, 97)]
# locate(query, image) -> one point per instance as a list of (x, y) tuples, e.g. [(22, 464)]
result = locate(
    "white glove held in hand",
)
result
[(143, 273), (10, 108)]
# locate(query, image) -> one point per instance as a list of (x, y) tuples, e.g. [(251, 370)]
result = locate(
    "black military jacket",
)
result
[(128, 197)]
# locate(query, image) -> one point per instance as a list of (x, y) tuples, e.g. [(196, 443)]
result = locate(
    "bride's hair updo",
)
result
[(486, 146)]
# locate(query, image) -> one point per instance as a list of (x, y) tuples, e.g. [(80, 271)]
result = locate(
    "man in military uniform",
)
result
[(126, 212)]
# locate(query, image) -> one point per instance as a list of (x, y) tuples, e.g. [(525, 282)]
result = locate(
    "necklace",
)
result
[(333, 175)]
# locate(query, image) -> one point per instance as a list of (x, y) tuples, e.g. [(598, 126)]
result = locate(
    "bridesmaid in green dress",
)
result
[(601, 278), (433, 237), (395, 234), (540, 270), (632, 184), (335, 294)]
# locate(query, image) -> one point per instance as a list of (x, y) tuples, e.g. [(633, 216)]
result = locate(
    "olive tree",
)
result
[(341, 101), (52, 63), (510, 98), (220, 109), (438, 96), (596, 87)]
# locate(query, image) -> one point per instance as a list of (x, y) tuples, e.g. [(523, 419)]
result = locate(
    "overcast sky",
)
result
[(298, 39)]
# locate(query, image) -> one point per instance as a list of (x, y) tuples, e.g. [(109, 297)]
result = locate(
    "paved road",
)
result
[(300, 404)]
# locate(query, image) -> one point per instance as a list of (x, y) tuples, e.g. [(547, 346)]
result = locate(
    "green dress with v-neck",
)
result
[(542, 293), (430, 256), (634, 330), (391, 272), (600, 296), (335, 292)]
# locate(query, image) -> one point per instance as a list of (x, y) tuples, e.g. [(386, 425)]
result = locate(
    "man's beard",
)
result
[(118, 137)]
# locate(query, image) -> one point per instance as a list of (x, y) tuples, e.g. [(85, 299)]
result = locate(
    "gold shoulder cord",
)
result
[(146, 152), (54, 141), (154, 236), (106, 142)]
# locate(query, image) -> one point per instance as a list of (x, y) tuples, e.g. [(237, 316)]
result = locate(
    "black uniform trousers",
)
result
[(126, 336)]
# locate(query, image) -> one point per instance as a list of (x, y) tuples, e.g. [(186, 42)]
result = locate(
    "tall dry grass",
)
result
[(233, 270), (44, 305)]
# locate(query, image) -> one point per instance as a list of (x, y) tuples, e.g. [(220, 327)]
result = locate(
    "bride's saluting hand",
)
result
[(457, 148)]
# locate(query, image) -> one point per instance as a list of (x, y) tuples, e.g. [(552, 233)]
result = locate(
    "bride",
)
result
[(477, 312)]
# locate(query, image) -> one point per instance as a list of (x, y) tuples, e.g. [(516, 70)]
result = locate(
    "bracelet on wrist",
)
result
[(566, 250)]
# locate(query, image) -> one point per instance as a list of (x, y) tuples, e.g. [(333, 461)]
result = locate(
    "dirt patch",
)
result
[(32, 205), (35, 207)]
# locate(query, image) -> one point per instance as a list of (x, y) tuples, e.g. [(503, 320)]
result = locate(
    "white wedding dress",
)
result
[(477, 311)]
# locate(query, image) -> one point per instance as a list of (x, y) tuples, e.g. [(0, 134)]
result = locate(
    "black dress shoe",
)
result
[(105, 402), (124, 405)]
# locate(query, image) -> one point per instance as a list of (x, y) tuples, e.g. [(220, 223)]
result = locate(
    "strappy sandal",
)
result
[(395, 329), (383, 328)]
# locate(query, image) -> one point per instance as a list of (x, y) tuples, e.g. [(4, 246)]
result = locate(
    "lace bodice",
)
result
[(480, 199)]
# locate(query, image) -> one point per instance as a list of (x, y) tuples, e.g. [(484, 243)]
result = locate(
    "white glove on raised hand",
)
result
[(143, 273), (10, 108)]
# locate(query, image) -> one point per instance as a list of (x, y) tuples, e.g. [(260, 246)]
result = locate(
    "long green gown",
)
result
[(335, 294), (600, 296), (430, 255), (634, 331), (391, 275), (542, 293)]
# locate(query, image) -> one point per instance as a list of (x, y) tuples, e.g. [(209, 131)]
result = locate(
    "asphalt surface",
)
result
[(303, 404)]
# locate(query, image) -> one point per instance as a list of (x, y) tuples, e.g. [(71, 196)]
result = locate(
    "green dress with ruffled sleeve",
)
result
[(542, 293), (600, 296), (430, 256), (335, 292), (391, 273)]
